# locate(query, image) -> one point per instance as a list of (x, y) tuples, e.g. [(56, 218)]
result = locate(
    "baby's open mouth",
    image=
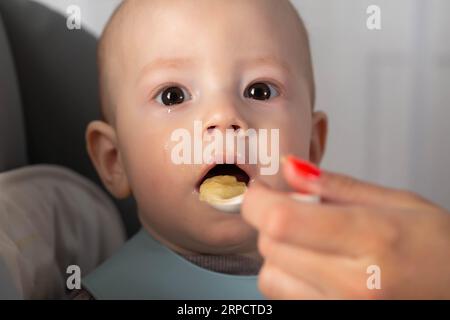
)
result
[(225, 170), (223, 187)]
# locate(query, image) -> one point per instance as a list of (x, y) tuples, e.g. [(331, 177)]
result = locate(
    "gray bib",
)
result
[(145, 269)]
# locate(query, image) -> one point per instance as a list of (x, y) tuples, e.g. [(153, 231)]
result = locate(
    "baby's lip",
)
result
[(250, 170)]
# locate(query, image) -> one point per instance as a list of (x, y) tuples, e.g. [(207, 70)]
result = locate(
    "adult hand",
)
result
[(323, 251)]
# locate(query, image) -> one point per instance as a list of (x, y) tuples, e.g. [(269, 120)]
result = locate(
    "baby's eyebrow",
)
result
[(166, 63), (183, 62), (267, 61)]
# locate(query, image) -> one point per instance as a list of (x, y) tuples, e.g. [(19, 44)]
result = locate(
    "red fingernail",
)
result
[(304, 168)]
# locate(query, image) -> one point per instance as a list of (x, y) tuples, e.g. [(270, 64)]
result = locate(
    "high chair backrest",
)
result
[(48, 92)]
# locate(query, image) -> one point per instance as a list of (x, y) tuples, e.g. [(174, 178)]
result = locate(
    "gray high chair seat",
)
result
[(48, 93)]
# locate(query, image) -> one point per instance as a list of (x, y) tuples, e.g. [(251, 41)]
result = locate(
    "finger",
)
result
[(324, 272), (276, 284), (337, 188), (257, 198), (327, 227)]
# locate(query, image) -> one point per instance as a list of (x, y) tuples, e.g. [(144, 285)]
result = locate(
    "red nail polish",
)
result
[(304, 168)]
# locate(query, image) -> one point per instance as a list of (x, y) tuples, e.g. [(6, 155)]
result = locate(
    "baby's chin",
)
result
[(211, 233), (230, 235)]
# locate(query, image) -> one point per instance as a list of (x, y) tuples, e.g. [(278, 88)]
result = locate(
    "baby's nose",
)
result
[(234, 127), (223, 119)]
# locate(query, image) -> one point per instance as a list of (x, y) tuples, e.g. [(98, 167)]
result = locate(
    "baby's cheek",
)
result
[(294, 141), (296, 137), (291, 141), (155, 176), (146, 172), (140, 162)]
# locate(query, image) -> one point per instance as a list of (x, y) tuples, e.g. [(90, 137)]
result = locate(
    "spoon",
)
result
[(233, 205)]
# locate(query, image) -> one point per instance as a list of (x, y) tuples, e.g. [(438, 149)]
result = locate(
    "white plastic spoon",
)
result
[(233, 205)]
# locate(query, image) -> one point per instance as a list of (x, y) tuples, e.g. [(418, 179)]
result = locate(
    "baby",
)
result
[(164, 64)]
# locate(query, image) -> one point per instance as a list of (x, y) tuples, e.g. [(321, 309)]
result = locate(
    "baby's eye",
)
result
[(261, 91), (172, 95)]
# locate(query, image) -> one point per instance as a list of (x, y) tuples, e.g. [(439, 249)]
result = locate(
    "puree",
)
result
[(221, 188)]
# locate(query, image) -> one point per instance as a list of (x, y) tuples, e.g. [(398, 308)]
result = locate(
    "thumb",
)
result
[(332, 187)]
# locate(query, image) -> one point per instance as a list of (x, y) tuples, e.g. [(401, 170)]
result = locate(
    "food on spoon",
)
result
[(221, 188)]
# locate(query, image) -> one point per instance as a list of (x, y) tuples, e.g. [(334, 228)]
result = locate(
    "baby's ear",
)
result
[(102, 148), (318, 137)]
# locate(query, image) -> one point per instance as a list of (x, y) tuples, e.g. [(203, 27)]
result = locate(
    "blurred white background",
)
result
[(387, 92)]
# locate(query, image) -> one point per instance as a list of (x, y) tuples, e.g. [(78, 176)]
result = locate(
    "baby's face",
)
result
[(227, 64)]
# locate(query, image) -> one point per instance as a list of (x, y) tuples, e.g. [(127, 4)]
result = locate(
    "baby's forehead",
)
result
[(168, 27), (153, 20)]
